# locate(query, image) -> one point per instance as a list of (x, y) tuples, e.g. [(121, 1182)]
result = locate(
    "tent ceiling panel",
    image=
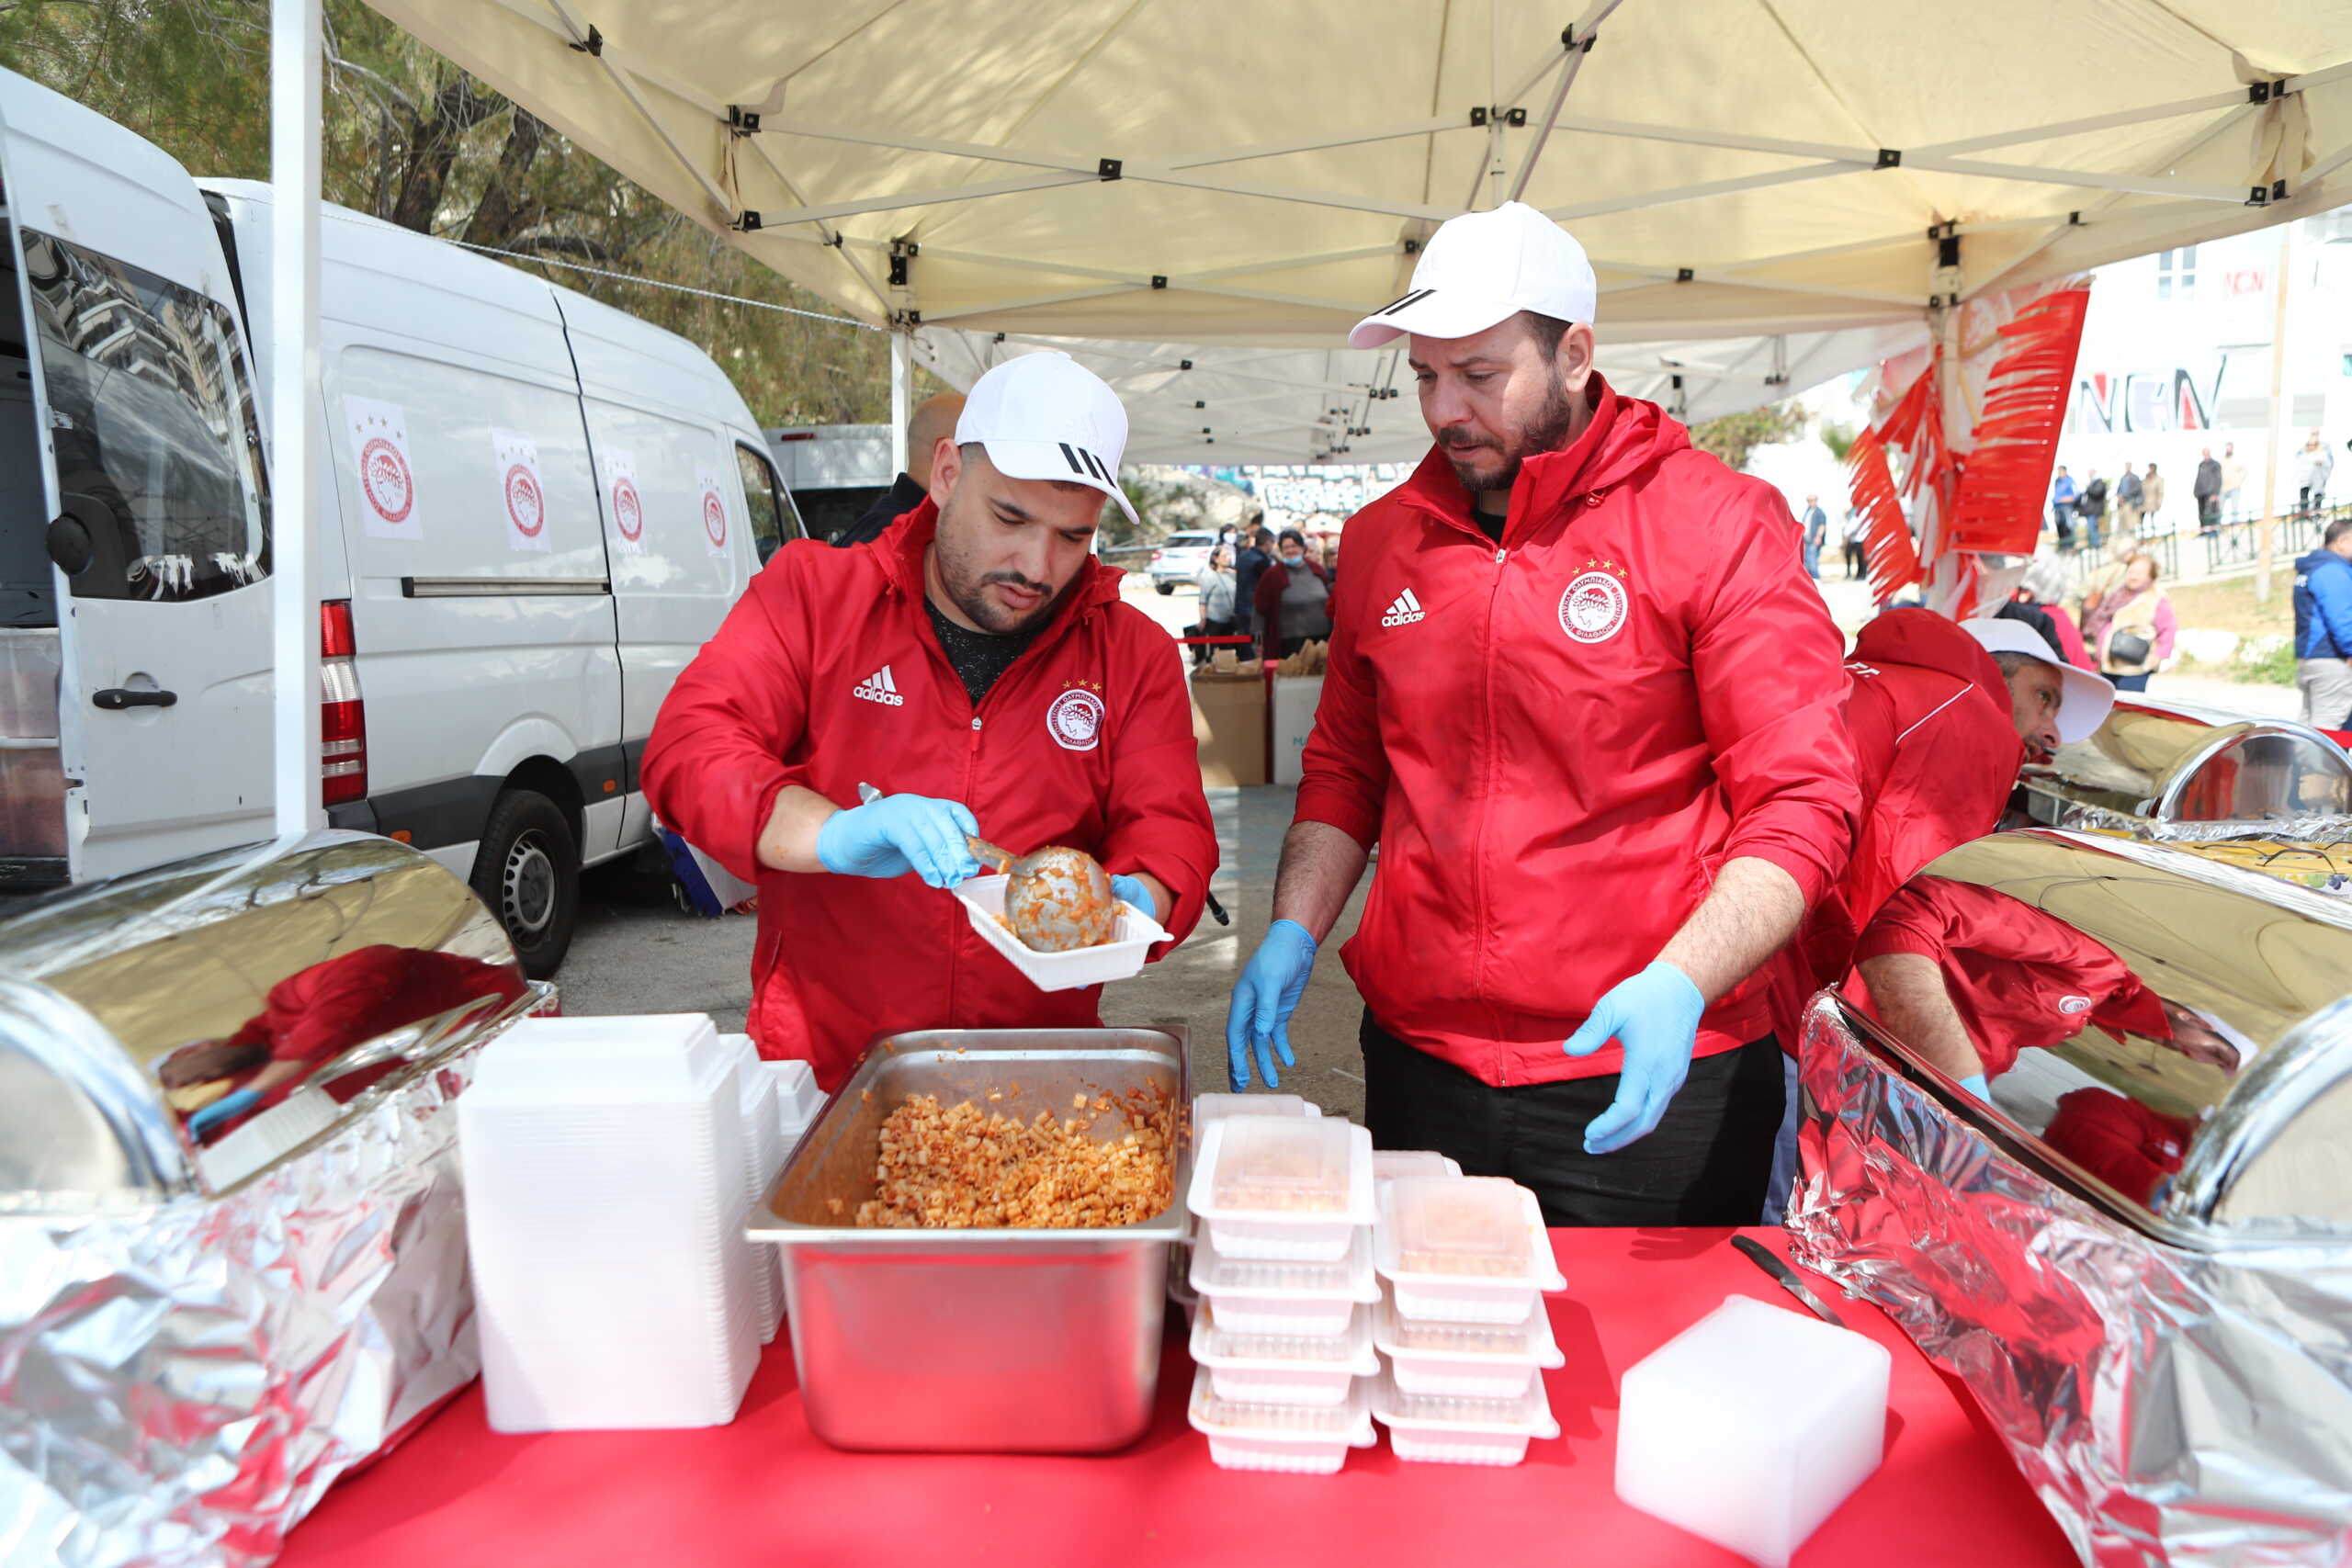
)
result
[(1736, 168)]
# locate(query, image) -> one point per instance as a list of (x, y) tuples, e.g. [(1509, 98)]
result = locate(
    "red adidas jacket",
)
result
[(2019, 978), (826, 674), (1557, 742), (1935, 754)]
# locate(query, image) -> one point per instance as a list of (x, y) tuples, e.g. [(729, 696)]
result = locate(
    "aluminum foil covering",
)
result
[(182, 1381), (2169, 1407), (2309, 828)]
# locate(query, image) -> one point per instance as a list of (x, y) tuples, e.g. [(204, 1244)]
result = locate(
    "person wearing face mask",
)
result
[(1584, 699), (975, 665), (1294, 598)]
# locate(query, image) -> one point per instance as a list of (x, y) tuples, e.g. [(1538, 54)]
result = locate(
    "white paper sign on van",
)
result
[(389, 506), (623, 504), (522, 494), (712, 504)]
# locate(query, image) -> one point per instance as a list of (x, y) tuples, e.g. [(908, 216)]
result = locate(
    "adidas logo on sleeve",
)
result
[(1404, 611), (879, 687)]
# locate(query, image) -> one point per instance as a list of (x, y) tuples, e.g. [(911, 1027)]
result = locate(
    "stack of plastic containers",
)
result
[(1465, 1263), (1283, 1265), (606, 1175), (763, 1151), (1209, 1109)]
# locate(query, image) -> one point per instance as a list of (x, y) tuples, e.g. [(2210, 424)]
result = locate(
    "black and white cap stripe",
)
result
[(1092, 464), (1415, 297)]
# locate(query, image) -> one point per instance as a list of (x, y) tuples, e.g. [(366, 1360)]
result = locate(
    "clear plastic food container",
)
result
[(1436, 1429), (1259, 1296), (1463, 1249), (1284, 1368), (1465, 1360), (1283, 1187), (1208, 1108), (1393, 1165), (1298, 1440)]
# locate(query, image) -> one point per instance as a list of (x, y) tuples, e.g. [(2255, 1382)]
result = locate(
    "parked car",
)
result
[(532, 509), (1179, 558)]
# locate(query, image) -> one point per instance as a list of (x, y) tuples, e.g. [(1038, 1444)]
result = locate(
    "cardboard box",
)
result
[(1296, 697), (1229, 727)]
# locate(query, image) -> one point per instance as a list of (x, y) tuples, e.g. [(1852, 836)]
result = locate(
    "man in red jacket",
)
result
[(1584, 698), (975, 665)]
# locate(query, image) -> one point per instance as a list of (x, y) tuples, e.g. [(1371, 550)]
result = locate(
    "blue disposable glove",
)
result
[(1131, 890), (1979, 1087), (224, 1108), (1263, 1001), (1655, 1016), (895, 834)]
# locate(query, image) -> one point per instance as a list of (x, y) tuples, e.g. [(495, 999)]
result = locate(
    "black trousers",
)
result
[(1856, 565), (1708, 1162)]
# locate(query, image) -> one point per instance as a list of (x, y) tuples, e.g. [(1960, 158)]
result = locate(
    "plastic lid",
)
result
[(1344, 1422), (1208, 1108), (1460, 1224), (1528, 1343), (1395, 1165), (1530, 1412), (1350, 1279), (1351, 1351), (1290, 1165)]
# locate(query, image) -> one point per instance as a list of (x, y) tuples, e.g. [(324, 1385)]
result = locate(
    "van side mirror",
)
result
[(68, 543)]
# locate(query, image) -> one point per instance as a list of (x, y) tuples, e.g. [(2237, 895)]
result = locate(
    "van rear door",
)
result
[(152, 457)]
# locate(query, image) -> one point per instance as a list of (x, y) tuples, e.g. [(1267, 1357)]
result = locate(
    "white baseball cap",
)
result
[(1482, 267), (1045, 416), (2083, 699)]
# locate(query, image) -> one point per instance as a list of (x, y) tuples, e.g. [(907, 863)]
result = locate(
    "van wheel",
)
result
[(528, 874), (1165, 587)]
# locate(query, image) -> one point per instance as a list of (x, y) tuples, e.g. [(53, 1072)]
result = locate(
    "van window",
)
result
[(772, 522), (151, 412)]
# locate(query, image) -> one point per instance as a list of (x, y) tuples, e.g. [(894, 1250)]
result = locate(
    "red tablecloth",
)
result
[(765, 1491)]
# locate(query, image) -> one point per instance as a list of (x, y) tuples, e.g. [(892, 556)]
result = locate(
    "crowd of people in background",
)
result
[(2083, 510)]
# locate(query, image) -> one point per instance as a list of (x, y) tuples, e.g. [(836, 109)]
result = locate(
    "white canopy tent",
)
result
[(1210, 173), (1232, 175)]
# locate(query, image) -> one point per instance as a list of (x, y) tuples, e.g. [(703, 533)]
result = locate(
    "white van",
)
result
[(533, 511)]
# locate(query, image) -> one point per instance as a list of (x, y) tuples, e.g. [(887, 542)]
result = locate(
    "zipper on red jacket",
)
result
[(1485, 812)]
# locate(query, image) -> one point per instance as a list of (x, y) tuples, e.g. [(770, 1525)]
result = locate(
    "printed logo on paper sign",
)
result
[(714, 518), (383, 474), (1593, 607), (526, 507), (879, 687), (1075, 720), (1404, 611)]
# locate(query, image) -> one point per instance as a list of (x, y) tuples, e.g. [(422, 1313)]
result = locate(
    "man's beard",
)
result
[(1548, 431), (966, 586)]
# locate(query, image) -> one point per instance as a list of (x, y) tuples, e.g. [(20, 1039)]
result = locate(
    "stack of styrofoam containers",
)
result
[(1209, 1109), (1465, 1263), (764, 1153), (605, 1172), (1283, 1265), (797, 1099)]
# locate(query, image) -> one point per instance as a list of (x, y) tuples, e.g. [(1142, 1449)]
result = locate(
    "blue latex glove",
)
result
[(1979, 1087), (1131, 890), (1263, 1001), (1655, 1016), (895, 834), (221, 1110)]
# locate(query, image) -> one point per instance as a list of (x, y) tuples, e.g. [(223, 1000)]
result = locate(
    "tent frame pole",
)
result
[(294, 448), (901, 400)]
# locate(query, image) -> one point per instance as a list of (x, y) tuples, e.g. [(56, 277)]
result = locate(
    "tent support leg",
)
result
[(293, 370), (902, 398)]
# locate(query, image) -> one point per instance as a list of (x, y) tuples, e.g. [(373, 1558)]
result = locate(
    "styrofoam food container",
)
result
[(1436, 1429), (1465, 1360), (1257, 1296), (1117, 959), (1298, 1440), (1274, 1368), (1430, 1220), (1282, 1187)]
